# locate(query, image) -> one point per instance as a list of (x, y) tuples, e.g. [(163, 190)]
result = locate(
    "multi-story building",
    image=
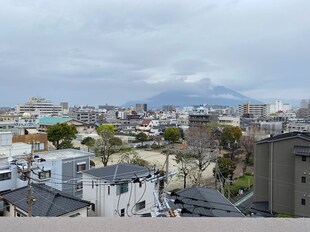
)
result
[(168, 107), (282, 176), (201, 119), (278, 106), (39, 106), (256, 110), (304, 103), (140, 108), (86, 116), (231, 121)]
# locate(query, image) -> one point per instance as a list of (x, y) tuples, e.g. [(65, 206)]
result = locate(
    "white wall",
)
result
[(111, 205)]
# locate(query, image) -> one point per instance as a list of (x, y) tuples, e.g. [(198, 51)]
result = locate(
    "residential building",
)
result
[(168, 107), (47, 202), (201, 119), (144, 126), (140, 108), (62, 169), (282, 177), (37, 139), (39, 106), (278, 106), (119, 190), (65, 107), (229, 121), (304, 103), (256, 110)]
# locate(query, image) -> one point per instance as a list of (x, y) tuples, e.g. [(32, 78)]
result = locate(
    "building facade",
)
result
[(282, 175)]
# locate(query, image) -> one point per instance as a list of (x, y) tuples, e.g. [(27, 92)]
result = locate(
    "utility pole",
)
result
[(26, 173)]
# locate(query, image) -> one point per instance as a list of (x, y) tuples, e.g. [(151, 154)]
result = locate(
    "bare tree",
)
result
[(184, 164), (200, 144), (247, 143)]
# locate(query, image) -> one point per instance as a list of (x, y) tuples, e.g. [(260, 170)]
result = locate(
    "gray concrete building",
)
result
[(282, 174)]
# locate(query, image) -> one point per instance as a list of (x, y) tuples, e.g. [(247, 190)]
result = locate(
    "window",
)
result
[(303, 179), (303, 201), (303, 158), (121, 188), (122, 212), (140, 184), (5, 176), (45, 175), (109, 190), (79, 186), (140, 205), (80, 167)]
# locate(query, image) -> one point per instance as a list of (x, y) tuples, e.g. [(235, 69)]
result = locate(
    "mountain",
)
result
[(218, 95)]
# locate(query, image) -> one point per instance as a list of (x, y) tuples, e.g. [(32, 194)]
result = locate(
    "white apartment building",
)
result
[(39, 106), (119, 190), (278, 106), (229, 121)]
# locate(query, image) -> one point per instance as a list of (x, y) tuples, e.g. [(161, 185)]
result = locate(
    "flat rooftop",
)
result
[(63, 154)]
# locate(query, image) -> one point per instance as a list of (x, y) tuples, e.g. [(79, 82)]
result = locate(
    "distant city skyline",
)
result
[(113, 52)]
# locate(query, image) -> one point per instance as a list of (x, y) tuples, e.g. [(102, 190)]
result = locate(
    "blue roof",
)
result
[(53, 120)]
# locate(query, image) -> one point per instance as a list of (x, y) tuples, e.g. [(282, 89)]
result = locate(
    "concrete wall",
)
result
[(261, 172), (110, 205)]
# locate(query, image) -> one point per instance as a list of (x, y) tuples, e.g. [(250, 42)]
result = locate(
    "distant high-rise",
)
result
[(140, 108), (305, 103), (168, 107)]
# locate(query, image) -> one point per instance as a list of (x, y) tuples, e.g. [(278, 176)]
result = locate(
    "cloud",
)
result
[(115, 51)]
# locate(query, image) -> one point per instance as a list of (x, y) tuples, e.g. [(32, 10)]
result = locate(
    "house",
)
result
[(144, 126), (203, 202), (47, 202), (281, 174), (119, 190), (62, 169)]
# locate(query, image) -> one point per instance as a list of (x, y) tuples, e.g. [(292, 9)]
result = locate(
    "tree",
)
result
[(142, 137), (172, 134), (132, 157), (185, 164), (247, 143), (61, 135), (200, 144), (89, 142), (232, 135), (107, 144), (225, 169), (107, 129)]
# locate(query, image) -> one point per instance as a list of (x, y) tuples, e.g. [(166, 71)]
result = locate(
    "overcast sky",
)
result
[(98, 51)]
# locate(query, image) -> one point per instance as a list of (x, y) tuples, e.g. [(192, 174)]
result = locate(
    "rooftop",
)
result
[(303, 135), (63, 154), (53, 120), (49, 202), (118, 172)]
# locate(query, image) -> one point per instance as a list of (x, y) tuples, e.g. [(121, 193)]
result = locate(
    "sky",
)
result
[(110, 52)]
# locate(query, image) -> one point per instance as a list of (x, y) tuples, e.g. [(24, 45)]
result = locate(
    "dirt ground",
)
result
[(159, 160)]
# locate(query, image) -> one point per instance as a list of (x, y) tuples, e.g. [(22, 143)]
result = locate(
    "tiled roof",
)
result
[(204, 202), (304, 135), (118, 172), (53, 120), (49, 202)]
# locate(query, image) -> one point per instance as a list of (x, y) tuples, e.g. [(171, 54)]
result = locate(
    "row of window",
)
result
[(5, 176)]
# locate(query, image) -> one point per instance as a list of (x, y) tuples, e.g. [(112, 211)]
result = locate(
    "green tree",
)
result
[(107, 144), (89, 142), (184, 164), (172, 134), (132, 157), (142, 137), (61, 135), (224, 169), (232, 135)]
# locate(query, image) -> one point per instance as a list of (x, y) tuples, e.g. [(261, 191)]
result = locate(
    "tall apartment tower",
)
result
[(140, 108)]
